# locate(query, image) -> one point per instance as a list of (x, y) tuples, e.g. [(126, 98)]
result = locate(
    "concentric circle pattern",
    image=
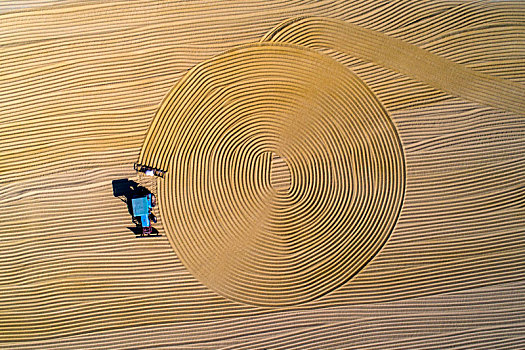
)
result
[(285, 174), (281, 236)]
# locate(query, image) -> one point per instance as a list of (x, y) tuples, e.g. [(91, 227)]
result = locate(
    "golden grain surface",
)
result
[(80, 84), (216, 134)]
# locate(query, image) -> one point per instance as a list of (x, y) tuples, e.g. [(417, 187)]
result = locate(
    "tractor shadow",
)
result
[(126, 190)]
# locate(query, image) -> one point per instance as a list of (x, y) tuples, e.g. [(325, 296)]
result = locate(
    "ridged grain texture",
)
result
[(215, 134), (80, 84)]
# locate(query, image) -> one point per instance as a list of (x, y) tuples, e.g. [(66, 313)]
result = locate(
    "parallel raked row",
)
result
[(79, 84)]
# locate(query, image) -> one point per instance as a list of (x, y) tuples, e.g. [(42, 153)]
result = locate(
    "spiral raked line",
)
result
[(285, 175)]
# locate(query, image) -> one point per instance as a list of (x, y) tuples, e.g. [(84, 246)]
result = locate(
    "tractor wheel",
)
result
[(153, 200), (153, 218)]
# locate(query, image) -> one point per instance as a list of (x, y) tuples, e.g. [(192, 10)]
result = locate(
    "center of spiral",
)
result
[(280, 176)]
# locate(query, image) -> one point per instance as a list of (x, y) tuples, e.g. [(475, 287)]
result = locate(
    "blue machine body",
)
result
[(141, 209)]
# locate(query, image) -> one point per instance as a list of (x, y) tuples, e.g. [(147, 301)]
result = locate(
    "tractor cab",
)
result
[(142, 212)]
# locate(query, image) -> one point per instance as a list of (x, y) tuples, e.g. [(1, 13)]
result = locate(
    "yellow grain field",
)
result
[(339, 174)]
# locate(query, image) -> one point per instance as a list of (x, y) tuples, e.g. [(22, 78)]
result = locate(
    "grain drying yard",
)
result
[(328, 174)]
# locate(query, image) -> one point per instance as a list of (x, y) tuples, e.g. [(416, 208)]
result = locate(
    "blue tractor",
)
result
[(142, 211)]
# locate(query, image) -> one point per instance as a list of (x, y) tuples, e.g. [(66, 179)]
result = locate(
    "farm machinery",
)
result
[(148, 170), (142, 212)]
